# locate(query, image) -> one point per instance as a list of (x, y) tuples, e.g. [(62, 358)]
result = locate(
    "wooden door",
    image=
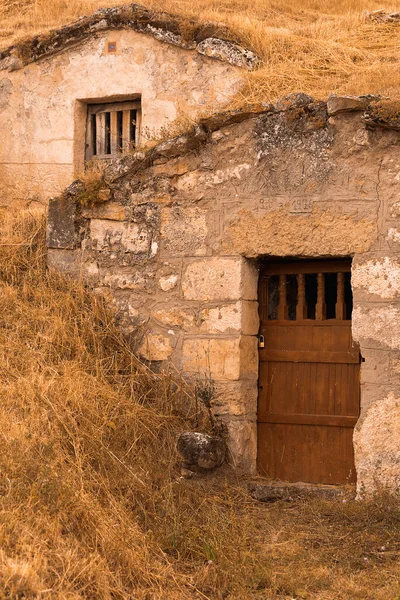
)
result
[(309, 389)]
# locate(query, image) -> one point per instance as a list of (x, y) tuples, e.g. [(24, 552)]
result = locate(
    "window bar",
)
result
[(132, 136), (282, 308), (119, 131), (100, 133), (320, 309), (301, 308), (340, 308), (126, 128), (93, 136), (114, 132), (107, 148)]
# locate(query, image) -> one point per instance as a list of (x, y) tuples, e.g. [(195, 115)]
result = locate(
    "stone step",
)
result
[(265, 490)]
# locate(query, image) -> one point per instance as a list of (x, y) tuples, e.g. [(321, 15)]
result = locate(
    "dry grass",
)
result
[(314, 46), (91, 502)]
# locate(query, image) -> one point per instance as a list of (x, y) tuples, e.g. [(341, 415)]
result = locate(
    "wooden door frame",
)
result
[(289, 265)]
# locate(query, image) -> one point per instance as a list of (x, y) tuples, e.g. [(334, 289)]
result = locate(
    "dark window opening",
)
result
[(107, 133), (291, 296), (273, 297), (119, 131), (112, 129), (311, 294), (315, 292), (132, 124), (93, 125), (330, 295)]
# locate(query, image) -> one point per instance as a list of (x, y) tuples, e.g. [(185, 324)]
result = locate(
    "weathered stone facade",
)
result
[(179, 71), (177, 249)]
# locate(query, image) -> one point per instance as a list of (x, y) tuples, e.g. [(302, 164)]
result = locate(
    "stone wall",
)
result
[(177, 246), (46, 83)]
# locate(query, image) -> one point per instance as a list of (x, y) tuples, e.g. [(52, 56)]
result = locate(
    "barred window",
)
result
[(112, 129)]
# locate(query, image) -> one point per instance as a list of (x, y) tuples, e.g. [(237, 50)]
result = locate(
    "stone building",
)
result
[(260, 251), (106, 83)]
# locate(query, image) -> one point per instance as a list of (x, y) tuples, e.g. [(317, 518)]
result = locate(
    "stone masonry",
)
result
[(179, 71), (177, 246)]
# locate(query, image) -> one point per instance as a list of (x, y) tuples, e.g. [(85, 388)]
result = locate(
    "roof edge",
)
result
[(376, 113), (209, 39)]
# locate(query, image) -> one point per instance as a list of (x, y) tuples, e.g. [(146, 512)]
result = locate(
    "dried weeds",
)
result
[(316, 46)]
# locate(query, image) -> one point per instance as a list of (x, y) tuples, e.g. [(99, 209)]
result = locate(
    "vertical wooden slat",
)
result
[(126, 128), (90, 141), (282, 308), (100, 133), (340, 303), (114, 132), (301, 308), (320, 309)]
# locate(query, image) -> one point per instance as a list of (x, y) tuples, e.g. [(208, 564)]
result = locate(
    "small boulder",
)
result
[(201, 452), (381, 16), (229, 52), (182, 144), (338, 104), (295, 100)]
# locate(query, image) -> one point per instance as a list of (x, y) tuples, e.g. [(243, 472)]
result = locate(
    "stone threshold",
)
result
[(267, 490)]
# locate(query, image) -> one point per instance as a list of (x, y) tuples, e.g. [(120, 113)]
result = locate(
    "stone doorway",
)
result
[(309, 381)]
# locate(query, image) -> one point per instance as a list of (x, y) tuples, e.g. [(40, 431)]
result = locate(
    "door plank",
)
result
[(309, 419), (313, 356)]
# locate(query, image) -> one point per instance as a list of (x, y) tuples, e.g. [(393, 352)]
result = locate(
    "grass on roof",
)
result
[(314, 46)]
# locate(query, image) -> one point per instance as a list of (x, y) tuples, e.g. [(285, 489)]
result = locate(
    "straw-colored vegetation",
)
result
[(316, 46), (92, 505)]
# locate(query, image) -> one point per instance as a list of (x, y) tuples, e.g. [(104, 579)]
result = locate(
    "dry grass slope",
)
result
[(91, 503), (314, 46)]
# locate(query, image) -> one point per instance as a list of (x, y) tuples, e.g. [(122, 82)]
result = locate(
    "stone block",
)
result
[(107, 210), (378, 276), (274, 491), (168, 282), (235, 398), (241, 317), (184, 231), (370, 393), (375, 368), (220, 358), (242, 443), (338, 104), (215, 279), (73, 264), (156, 347), (181, 317), (377, 326), (394, 366), (376, 446), (61, 223), (227, 51), (109, 235), (124, 279)]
